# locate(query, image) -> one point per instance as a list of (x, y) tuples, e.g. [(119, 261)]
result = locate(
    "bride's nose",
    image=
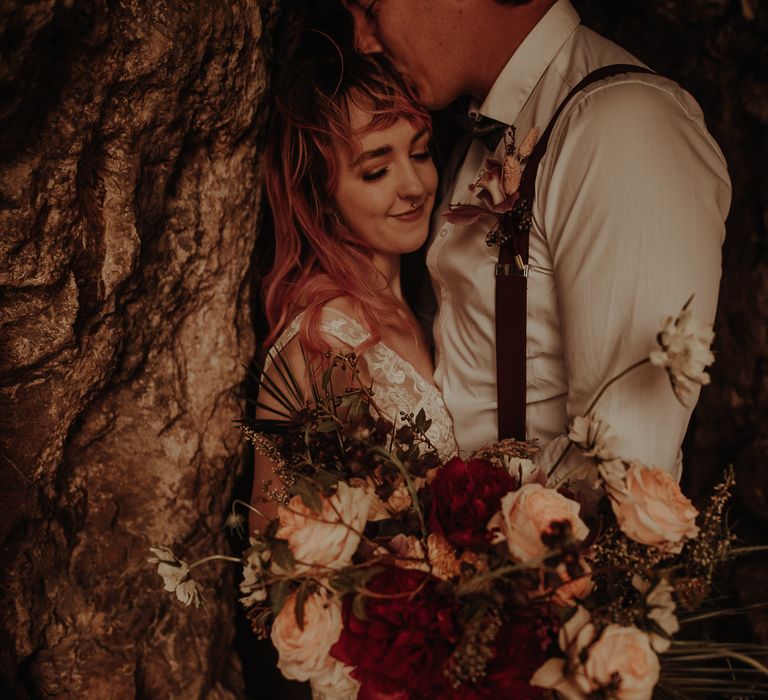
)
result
[(411, 184)]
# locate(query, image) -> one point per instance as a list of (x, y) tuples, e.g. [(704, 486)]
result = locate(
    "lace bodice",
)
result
[(397, 385)]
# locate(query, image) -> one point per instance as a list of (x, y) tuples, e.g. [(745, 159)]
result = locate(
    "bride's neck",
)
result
[(388, 265)]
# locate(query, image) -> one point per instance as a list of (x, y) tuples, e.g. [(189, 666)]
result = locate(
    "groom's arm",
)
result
[(633, 197)]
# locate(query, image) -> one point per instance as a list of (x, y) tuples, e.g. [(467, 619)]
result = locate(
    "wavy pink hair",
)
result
[(317, 257)]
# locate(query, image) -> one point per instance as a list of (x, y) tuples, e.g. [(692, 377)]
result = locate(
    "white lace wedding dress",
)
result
[(397, 386)]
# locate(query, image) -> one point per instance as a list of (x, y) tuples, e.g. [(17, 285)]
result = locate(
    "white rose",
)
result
[(328, 538)]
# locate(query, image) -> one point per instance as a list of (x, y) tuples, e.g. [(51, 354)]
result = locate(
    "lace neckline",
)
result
[(358, 336)]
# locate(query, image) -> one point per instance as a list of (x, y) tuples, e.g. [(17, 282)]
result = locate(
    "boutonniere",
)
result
[(497, 187)]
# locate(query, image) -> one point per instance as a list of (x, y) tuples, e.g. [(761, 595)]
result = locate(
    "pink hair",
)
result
[(317, 257)]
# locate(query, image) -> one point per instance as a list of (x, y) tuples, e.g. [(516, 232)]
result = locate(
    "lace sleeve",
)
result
[(285, 366)]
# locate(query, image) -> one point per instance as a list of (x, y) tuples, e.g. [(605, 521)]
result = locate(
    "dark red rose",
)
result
[(464, 497), (406, 639), (521, 648)]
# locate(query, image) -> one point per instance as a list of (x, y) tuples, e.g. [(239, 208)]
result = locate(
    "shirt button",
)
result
[(443, 233), (443, 293)]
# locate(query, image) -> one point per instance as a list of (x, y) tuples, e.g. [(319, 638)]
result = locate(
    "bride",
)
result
[(351, 183)]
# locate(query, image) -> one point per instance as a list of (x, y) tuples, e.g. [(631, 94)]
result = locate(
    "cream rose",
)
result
[(626, 652), (328, 538), (305, 653), (528, 513), (336, 682), (652, 510)]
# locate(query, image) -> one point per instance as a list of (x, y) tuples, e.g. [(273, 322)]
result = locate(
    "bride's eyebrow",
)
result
[(382, 150)]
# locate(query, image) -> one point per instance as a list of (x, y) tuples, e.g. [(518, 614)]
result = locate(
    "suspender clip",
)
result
[(519, 269)]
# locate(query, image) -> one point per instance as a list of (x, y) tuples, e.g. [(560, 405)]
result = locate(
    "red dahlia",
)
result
[(407, 637), (464, 497)]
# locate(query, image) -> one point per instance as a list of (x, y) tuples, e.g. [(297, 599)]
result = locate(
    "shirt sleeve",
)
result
[(633, 195)]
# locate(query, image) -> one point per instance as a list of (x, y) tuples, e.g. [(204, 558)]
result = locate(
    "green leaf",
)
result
[(309, 493), (421, 417), (278, 594), (358, 607), (327, 479), (327, 378), (301, 599), (391, 527), (282, 555)]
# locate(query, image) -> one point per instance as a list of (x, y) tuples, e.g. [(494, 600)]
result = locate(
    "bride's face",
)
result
[(385, 190)]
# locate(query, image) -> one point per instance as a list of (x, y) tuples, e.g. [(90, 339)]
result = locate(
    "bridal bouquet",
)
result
[(393, 570)]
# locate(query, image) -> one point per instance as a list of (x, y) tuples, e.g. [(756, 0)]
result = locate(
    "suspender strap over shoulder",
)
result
[(512, 277)]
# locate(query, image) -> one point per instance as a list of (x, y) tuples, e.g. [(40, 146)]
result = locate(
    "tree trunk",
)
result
[(129, 205)]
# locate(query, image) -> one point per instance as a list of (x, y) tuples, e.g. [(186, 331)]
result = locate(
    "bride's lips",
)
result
[(411, 214)]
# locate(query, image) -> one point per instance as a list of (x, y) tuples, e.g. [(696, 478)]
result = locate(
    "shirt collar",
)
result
[(524, 69)]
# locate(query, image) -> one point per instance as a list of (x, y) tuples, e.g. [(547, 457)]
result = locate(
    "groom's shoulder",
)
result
[(588, 51), (623, 100)]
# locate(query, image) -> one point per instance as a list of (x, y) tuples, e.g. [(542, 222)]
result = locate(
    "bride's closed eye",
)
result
[(374, 175), (422, 155)]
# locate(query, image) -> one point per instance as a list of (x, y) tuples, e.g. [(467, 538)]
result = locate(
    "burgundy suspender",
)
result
[(512, 274)]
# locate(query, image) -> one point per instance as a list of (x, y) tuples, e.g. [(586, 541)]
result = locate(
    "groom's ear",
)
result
[(366, 39)]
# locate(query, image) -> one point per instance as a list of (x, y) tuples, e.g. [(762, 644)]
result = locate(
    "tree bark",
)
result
[(129, 206)]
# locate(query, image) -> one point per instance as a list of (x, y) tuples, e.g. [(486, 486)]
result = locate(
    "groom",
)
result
[(627, 219)]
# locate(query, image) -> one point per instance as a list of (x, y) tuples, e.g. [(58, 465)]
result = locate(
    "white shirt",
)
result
[(628, 222)]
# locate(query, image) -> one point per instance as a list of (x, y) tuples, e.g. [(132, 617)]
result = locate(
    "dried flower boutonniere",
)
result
[(497, 187)]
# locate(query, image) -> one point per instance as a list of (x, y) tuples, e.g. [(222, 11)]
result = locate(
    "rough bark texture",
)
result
[(129, 202), (717, 50)]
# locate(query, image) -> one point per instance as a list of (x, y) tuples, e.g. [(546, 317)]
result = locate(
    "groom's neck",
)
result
[(499, 30)]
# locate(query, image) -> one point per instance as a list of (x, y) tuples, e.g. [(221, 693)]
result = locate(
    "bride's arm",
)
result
[(293, 356)]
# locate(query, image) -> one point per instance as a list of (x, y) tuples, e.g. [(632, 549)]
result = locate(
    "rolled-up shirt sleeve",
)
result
[(633, 195)]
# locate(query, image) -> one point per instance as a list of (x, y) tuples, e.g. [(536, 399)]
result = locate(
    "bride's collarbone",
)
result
[(413, 350)]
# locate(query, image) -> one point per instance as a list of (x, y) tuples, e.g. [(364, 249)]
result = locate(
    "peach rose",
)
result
[(626, 652), (652, 510), (305, 653), (528, 513), (328, 538)]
